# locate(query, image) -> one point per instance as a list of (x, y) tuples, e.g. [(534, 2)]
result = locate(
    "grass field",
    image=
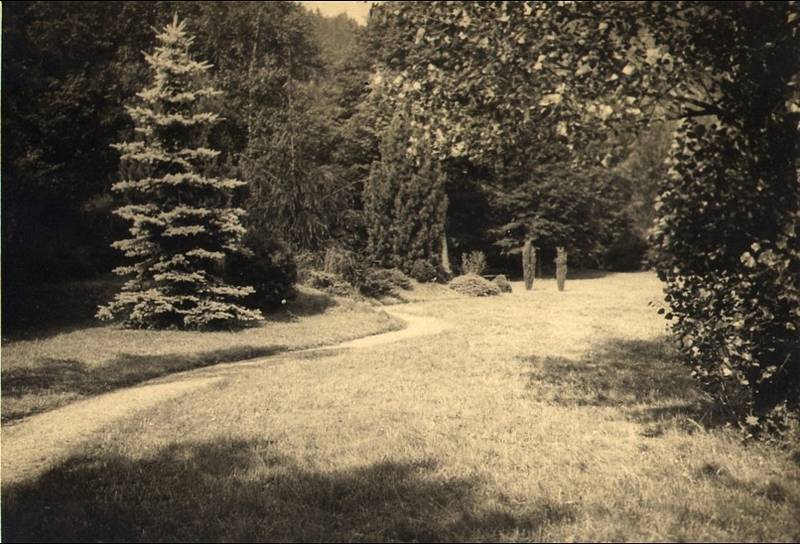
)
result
[(45, 372), (539, 416)]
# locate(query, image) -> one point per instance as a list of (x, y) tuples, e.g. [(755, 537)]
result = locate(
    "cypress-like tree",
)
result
[(421, 207), (405, 204), (380, 191), (182, 222)]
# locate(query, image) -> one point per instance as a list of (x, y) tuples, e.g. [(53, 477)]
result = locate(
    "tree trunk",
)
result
[(445, 254), (251, 77), (528, 263), (561, 268)]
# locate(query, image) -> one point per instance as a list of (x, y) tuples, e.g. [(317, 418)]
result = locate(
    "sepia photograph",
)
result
[(400, 271)]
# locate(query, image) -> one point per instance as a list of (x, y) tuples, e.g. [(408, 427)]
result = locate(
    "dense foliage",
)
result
[(583, 209), (493, 117), (405, 206), (182, 223), (68, 68), (728, 217), (729, 250), (265, 264)]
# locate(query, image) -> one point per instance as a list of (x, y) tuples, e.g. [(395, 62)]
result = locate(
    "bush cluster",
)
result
[(344, 273), (474, 286), (328, 283)]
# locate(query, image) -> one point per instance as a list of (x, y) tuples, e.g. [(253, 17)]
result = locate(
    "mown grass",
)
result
[(541, 416), (45, 372)]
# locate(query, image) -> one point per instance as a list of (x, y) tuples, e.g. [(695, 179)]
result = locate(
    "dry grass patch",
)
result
[(490, 431)]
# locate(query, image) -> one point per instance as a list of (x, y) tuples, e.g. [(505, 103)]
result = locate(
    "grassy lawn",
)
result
[(40, 374), (539, 416)]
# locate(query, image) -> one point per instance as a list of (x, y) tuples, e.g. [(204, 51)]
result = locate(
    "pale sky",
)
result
[(357, 10)]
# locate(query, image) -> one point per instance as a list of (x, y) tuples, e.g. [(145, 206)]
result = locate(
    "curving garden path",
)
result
[(32, 446)]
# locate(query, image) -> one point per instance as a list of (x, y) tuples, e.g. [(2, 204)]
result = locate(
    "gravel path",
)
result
[(37, 443)]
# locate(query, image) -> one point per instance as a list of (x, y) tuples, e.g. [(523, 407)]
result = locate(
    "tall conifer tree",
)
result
[(182, 222), (405, 202), (380, 191)]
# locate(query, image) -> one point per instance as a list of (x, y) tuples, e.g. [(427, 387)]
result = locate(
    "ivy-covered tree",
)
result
[(405, 205), (182, 222)]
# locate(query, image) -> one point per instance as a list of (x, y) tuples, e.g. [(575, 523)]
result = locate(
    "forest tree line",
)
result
[(303, 121)]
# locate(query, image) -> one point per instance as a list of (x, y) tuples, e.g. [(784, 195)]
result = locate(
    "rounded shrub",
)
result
[(381, 282), (502, 283), (423, 271), (328, 283), (474, 286)]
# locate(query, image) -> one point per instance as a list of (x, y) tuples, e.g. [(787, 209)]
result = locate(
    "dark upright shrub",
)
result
[(268, 266), (473, 263), (405, 204), (528, 263)]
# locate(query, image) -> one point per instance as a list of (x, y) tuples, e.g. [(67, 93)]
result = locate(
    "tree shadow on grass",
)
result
[(54, 382), (42, 311), (643, 377), (248, 491), (772, 489)]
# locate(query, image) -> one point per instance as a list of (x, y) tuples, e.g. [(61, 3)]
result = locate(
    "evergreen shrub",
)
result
[(502, 283), (182, 224)]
